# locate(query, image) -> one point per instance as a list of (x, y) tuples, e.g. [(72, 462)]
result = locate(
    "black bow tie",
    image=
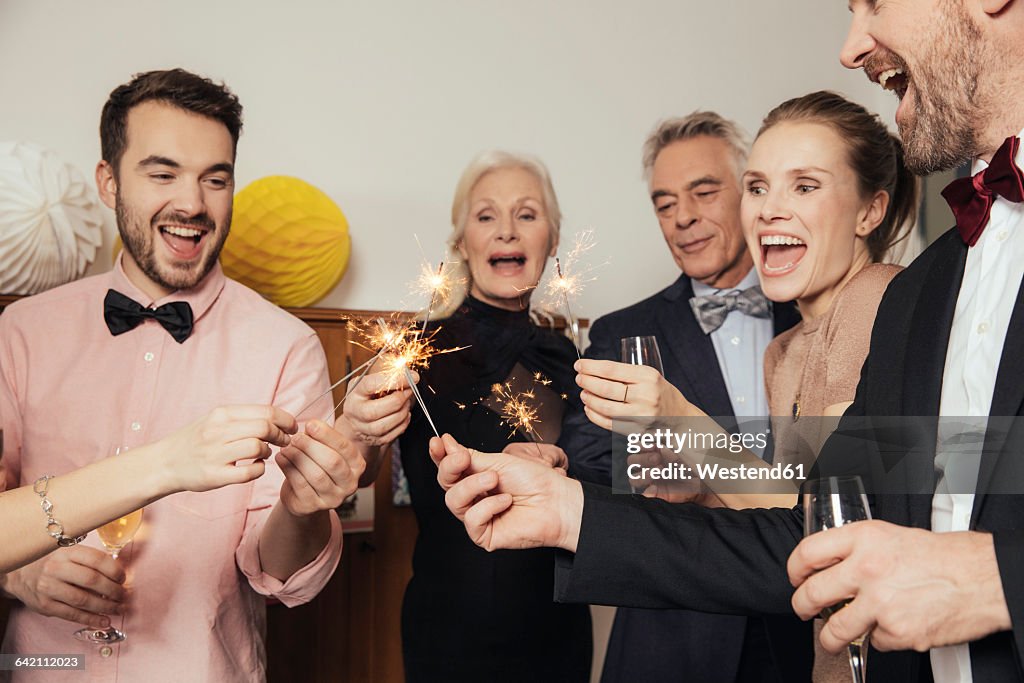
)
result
[(123, 314)]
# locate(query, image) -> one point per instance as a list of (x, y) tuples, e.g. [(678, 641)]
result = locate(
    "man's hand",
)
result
[(544, 453), (911, 588), (614, 390), (203, 455), (321, 469), (80, 584), (508, 501)]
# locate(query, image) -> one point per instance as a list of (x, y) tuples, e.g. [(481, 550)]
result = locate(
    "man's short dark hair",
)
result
[(176, 87)]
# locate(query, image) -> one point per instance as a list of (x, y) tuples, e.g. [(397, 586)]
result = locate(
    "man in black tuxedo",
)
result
[(693, 166), (948, 341)]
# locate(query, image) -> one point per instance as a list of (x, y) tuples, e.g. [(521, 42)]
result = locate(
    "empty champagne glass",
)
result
[(641, 351), (115, 536), (828, 503)]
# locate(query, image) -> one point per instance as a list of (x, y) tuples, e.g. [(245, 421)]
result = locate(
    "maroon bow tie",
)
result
[(971, 198)]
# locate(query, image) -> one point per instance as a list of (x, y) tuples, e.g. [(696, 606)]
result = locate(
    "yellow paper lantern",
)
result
[(288, 241)]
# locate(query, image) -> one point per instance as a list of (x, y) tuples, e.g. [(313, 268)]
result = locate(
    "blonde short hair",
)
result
[(481, 165)]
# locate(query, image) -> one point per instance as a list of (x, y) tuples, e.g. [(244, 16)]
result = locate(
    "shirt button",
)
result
[(982, 328), (1003, 234), (735, 341), (149, 356), (106, 651), (136, 426), (741, 399)]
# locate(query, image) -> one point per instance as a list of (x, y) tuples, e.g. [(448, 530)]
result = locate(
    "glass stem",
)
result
[(858, 661)]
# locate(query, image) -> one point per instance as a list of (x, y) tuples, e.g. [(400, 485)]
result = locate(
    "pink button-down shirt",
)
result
[(70, 393)]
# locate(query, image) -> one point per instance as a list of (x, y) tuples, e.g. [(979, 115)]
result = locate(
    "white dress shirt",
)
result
[(739, 345), (992, 278)]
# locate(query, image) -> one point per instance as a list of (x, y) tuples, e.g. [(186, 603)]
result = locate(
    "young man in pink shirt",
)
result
[(126, 358)]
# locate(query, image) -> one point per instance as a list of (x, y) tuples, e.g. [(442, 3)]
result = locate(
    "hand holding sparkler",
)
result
[(549, 454), (402, 352), (378, 410)]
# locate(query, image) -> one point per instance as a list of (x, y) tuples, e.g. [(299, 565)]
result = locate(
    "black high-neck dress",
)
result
[(470, 615)]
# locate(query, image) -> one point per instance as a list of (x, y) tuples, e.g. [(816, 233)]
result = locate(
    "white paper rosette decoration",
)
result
[(50, 220)]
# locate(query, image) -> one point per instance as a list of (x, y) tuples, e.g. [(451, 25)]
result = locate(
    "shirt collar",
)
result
[(980, 164), (750, 280), (200, 298)]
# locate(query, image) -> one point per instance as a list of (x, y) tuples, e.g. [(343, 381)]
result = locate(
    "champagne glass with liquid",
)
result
[(828, 503), (114, 535)]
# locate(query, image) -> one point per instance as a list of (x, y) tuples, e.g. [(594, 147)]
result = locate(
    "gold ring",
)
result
[(625, 394)]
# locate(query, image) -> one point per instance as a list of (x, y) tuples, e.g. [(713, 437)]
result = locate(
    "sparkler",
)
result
[(437, 284), (564, 285), (570, 280), (419, 399), (403, 350), (336, 384)]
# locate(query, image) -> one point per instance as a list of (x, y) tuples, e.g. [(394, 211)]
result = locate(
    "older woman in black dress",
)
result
[(470, 615)]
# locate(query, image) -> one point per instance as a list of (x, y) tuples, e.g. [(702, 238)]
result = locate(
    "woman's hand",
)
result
[(227, 446), (377, 410), (618, 390)]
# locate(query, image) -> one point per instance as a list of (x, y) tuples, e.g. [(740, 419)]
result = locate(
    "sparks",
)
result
[(436, 285), (569, 280), (517, 411), (400, 346)]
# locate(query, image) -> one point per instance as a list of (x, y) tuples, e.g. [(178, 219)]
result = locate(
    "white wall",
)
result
[(382, 104)]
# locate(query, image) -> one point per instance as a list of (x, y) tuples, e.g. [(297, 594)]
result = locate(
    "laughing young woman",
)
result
[(826, 197)]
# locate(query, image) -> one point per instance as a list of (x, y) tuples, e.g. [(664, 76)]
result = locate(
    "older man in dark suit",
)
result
[(714, 355), (948, 341)]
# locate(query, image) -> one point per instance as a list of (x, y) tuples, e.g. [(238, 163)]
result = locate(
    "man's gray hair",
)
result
[(697, 124)]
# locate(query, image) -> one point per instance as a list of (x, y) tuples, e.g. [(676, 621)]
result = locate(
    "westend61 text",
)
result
[(669, 440), (715, 472)]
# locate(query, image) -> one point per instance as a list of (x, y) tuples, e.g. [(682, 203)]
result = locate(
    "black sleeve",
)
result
[(1009, 546), (641, 552), (588, 447)]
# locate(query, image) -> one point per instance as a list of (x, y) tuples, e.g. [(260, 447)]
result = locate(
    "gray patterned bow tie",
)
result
[(711, 309)]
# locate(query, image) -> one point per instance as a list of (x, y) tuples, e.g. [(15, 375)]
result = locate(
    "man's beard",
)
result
[(942, 131), (138, 240)]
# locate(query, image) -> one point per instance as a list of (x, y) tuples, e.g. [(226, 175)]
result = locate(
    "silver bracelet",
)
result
[(53, 527)]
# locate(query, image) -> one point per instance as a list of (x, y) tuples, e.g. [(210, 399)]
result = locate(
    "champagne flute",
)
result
[(114, 535), (641, 351), (831, 502)]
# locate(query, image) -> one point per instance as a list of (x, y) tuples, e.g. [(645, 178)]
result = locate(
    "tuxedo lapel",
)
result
[(1008, 395), (692, 351), (927, 342), (1009, 390), (929, 332)]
